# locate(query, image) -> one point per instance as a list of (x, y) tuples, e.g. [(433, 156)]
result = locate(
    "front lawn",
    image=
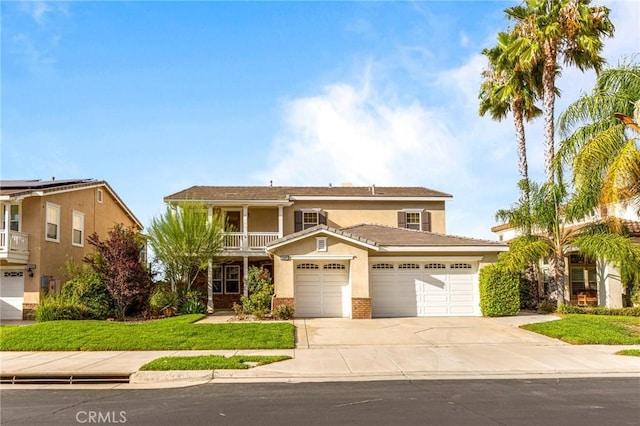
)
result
[(210, 362), (591, 329), (177, 333), (629, 352)]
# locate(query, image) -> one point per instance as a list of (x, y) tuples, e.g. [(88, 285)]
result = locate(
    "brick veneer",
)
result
[(361, 308), (279, 301), (29, 311)]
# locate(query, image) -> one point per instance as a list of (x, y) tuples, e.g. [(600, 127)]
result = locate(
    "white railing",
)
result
[(252, 240), (18, 241)]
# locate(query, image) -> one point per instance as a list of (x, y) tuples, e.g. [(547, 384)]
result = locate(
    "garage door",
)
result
[(11, 294), (423, 289), (321, 289)]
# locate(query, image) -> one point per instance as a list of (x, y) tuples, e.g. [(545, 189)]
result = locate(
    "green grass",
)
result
[(210, 362), (629, 352), (177, 333), (591, 329)]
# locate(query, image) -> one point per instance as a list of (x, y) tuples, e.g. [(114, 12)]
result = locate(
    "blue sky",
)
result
[(155, 97)]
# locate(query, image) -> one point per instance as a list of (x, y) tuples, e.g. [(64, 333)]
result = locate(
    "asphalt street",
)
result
[(587, 401)]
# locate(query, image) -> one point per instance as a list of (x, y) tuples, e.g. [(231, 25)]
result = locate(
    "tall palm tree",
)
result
[(550, 32), (506, 90), (552, 212), (601, 138)]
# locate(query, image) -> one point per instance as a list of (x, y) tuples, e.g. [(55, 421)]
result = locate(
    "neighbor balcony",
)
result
[(14, 246)]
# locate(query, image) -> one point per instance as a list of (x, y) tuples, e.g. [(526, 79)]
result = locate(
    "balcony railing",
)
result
[(17, 241), (250, 241)]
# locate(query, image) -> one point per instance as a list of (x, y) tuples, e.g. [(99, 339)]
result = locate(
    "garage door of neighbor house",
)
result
[(11, 294), (423, 289), (321, 289)]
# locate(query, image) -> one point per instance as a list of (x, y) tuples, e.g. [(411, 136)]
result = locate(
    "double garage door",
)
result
[(322, 289), (423, 289), (11, 294)]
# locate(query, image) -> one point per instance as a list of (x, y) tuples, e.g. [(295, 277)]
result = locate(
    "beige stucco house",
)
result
[(44, 223), (588, 281), (344, 251)]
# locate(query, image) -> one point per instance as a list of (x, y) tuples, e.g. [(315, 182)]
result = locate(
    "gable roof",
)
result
[(387, 238), (289, 193), (18, 189)]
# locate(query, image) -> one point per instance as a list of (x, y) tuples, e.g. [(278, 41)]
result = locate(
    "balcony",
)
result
[(248, 242), (14, 246)]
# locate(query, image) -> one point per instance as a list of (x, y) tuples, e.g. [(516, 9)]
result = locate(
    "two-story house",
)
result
[(588, 281), (44, 223), (344, 251)]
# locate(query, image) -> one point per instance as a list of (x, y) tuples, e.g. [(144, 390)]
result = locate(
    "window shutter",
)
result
[(297, 221), (322, 218), (426, 221), (402, 220)]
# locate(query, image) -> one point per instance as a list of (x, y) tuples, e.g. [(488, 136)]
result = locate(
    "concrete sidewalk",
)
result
[(379, 349)]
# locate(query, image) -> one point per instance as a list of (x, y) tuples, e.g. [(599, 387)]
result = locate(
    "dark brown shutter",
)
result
[(297, 221), (426, 221), (402, 220), (322, 218)]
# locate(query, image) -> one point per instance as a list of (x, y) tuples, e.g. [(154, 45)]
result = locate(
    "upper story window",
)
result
[(305, 219), (52, 224), (77, 232), (419, 220), (14, 217)]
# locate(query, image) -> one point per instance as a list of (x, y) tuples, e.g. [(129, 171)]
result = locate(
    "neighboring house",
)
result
[(588, 281), (345, 251), (44, 223)]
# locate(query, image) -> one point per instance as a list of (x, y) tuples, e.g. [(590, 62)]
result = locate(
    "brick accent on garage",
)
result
[(361, 308), (280, 301)]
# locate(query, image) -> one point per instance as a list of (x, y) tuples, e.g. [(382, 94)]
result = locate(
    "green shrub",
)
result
[(85, 288), (163, 301), (257, 279), (599, 310), (260, 286), (499, 291), (192, 303), (547, 307), (284, 312), (57, 308)]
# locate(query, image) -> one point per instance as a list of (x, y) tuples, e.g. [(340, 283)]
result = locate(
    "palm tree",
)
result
[(553, 212), (601, 138), (553, 31), (505, 90)]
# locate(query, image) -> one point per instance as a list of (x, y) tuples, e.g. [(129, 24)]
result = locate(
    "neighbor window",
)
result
[(216, 279), (77, 237), (14, 217), (232, 279), (52, 225), (99, 196)]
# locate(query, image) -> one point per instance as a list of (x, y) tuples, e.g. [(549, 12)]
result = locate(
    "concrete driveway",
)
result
[(430, 332)]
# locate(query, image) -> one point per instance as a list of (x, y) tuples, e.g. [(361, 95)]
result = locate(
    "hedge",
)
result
[(499, 291)]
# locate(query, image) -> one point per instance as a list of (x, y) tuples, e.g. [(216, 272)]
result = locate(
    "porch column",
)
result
[(245, 227), (5, 226), (280, 221), (210, 288), (609, 285), (245, 272)]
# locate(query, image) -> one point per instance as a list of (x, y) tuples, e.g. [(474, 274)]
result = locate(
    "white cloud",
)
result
[(354, 134)]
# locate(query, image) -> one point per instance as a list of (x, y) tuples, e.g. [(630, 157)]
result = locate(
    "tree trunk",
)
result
[(517, 107), (548, 103), (556, 278)]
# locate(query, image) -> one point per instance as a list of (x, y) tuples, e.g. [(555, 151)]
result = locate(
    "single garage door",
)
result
[(321, 289), (423, 289), (11, 294)]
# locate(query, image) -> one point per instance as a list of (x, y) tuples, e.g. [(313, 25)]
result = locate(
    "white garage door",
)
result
[(11, 294), (423, 289), (321, 289)]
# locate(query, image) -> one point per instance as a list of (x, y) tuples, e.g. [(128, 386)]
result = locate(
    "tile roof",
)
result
[(379, 235), (390, 236), (17, 187), (212, 193)]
